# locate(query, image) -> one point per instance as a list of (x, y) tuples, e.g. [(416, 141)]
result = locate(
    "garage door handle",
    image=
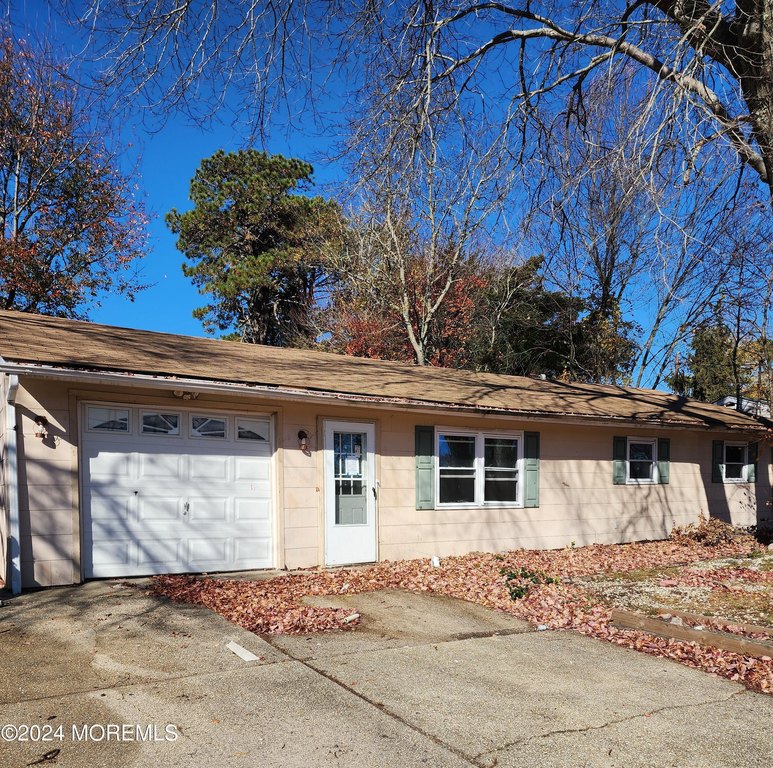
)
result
[(186, 507)]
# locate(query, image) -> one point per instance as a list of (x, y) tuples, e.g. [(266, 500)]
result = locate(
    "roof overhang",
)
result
[(271, 392)]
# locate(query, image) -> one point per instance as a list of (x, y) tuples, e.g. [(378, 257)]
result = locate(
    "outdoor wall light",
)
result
[(303, 441), (41, 427), (185, 394)]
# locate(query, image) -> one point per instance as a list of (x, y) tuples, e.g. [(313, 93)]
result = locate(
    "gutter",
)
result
[(319, 396), (12, 486)]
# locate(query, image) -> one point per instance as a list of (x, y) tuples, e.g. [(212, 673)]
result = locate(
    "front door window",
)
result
[(349, 466)]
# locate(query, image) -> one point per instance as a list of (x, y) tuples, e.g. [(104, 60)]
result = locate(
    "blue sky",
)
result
[(162, 162)]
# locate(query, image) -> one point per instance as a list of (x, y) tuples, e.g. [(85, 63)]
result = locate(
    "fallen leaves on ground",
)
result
[(727, 577), (723, 625), (275, 606)]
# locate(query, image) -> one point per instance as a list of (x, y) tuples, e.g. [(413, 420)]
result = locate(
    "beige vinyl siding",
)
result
[(578, 501), (300, 481), (48, 535)]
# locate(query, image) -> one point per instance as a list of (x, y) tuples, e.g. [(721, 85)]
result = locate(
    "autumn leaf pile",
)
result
[(709, 531), (275, 605)]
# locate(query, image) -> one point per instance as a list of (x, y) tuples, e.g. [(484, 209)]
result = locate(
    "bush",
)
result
[(710, 532)]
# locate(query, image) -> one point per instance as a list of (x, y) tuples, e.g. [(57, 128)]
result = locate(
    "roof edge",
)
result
[(266, 391)]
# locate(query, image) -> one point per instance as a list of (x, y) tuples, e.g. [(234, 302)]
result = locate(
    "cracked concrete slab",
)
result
[(731, 733), (503, 698)]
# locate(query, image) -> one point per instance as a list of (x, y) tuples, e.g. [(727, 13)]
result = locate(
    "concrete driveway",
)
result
[(111, 677)]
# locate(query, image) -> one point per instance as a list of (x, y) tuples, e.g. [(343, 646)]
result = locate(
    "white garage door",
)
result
[(171, 491)]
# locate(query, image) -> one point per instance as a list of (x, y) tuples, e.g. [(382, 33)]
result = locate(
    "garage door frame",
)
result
[(185, 408)]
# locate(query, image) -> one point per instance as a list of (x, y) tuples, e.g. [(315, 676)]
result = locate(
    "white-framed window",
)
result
[(252, 429), (209, 427), (735, 464), (106, 419), (478, 469), (160, 423), (641, 460)]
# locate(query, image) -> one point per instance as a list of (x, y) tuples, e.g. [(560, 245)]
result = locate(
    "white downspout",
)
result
[(12, 485)]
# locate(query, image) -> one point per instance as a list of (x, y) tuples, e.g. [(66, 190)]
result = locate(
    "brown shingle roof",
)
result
[(73, 345)]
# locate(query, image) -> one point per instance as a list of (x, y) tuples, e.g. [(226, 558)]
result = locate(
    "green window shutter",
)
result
[(664, 459), (531, 469), (751, 470), (717, 460), (619, 456), (425, 468)]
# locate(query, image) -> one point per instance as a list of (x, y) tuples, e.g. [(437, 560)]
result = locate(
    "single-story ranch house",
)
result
[(127, 452)]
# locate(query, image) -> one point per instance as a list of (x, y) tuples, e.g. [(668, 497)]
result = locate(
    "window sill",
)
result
[(486, 505)]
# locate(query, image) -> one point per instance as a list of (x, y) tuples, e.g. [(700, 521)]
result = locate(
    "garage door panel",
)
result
[(252, 509), (208, 553), (251, 468), (109, 464), (209, 467), (153, 508), (105, 507), (166, 466), (166, 551), (208, 509), (176, 504), (248, 550), (115, 552)]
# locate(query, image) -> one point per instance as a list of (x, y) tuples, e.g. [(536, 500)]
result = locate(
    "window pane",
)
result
[(735, 454), (251, 429), (640, 470), (734, 471), (501, 452), (108, 419), (349, 450), (207, 426), (640, 451), (640, 461), (161, 423), (457, 486), (501, 485), (456, 450)]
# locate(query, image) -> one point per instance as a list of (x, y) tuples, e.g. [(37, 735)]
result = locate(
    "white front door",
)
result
[(350, 493)]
